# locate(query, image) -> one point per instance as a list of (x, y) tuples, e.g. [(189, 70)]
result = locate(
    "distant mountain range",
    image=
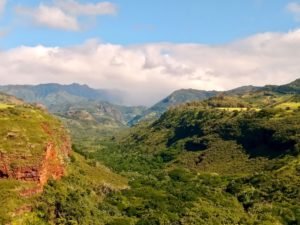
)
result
[(46, 92), (188, 95), (78, 105), (60, 99), (99, 106)]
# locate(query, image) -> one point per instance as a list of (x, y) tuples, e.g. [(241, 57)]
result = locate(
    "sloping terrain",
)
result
[(35, 149), (225, 160), (79, 106), (92, 118), (189, 95), (46, 92), (228, 159), (31, 138), (176, 98)]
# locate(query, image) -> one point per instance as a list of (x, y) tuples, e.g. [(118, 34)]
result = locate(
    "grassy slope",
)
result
[(22, 134)]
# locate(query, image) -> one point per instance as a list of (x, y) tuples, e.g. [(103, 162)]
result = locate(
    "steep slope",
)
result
[(291, 88), (34, 148), (225, 160), (34, 144), (35, 154), (176, 98), (184, 131)]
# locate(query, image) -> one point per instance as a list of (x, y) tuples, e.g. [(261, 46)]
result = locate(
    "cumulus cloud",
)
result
[(2, 6), (52, 17), (65, 14), (147, 73), (294, 8)]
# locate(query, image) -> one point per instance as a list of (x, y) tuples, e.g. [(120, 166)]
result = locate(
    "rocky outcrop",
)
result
[(51, 165)]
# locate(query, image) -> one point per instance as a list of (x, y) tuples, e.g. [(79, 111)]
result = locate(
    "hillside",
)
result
[(93, 118), (189, 95), (176, 98), (291, 88), (79, 105), (44, 92), (198, 125), (30, 138), (35, 149), (225, 160)]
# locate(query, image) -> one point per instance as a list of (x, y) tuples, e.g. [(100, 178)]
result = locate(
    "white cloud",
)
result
[(76, 8), (50, 17), (294, 8), (2, 5), (65, 14), (149, 72)]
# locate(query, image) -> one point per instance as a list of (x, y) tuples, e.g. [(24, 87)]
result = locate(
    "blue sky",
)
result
[(149, 48), (138, 22)]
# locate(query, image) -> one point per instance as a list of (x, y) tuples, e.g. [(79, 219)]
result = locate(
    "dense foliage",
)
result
[(224, 160), (220, 161)]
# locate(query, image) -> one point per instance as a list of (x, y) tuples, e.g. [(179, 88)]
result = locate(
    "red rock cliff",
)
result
[(51, 165)]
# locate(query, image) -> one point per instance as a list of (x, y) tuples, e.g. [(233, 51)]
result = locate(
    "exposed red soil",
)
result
[(51, 166)]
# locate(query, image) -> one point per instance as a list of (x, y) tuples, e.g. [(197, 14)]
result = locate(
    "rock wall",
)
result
[(52, 166)]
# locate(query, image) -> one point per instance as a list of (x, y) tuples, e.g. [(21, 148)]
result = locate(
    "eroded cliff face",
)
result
[(34, 147), (51, 166)]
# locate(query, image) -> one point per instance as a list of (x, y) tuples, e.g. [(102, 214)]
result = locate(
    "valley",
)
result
[(196, 157)]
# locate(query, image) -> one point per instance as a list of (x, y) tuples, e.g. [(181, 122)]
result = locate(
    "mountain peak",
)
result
[(295, 83)]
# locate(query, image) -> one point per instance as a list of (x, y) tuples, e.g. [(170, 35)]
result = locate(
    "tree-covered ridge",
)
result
[(229, 159), (182, 96), (226, 160)]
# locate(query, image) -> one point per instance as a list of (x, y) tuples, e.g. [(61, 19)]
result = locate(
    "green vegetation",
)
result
[(289, 105), (4, 106), (176, 98), (79, 105), (201, 163), (25, 132), (75, 199), (231, 159), (10, 198)]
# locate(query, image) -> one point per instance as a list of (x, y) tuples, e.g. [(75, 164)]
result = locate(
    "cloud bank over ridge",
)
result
[(148, 72)]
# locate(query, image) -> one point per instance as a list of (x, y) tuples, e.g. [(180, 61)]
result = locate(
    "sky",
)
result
[(147, 49)]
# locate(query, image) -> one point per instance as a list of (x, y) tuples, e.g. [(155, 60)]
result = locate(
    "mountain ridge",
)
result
[(188, 95), (36, 92)]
